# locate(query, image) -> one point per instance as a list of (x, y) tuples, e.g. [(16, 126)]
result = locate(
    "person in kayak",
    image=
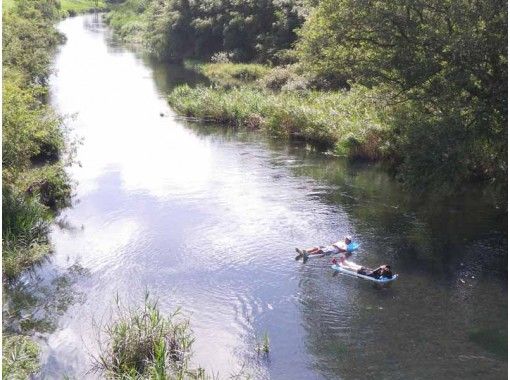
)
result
[(343, 247)]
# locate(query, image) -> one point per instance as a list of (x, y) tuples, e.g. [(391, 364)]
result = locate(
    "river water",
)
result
[(207, 219)]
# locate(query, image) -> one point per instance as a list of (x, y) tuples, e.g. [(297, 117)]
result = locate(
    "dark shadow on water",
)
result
[(493, 340)]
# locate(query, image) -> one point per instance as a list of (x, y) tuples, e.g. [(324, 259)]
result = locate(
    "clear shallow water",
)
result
[(207, 219)]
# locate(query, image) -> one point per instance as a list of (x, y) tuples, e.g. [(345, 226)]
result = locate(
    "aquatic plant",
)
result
[(263, 345), (20, 357), (144, 343)]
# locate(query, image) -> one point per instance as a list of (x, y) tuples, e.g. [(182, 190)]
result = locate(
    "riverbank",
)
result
[(35, 185), (443, 127), (283, 102), (137, 217), (75, 7), (346, 123)]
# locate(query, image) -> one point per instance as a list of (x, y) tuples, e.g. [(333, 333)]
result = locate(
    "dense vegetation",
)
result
[(439, 70), (445, 61), (20, 357), (34, 182), (73, 7), (246, 30), (348, 122), (142, 343)]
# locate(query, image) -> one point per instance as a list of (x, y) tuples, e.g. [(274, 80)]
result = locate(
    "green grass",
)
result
[(8, 4), (81, 6), (25, 227), (231, 74), (127, 20), (20, 357), (347, 122), (35, 184)]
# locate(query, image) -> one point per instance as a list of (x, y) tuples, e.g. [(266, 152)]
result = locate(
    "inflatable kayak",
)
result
[(350, 248), (351, 272)]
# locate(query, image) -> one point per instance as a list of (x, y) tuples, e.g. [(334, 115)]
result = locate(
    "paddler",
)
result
[(345, 247)]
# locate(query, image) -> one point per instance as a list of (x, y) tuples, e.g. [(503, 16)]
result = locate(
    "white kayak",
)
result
[(352, 272)]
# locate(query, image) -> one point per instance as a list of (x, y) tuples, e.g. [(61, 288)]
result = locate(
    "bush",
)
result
[(278, 77), (143, 343)]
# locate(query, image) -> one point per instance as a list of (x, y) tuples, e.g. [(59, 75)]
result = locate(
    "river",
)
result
[(207, 219)]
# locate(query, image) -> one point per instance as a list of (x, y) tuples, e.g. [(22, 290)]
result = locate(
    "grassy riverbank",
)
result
[(34, 183), (346, 122), (438, 73), (73, 7), (128, 20)]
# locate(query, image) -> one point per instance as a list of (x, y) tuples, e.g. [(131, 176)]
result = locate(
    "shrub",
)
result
[(222, 57), (143, 343), (284, 78)]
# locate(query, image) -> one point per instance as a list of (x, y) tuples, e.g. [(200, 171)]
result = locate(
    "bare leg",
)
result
[(313, 251)]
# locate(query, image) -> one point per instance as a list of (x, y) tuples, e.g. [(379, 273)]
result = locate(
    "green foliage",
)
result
[(73, 7), (128, 20), (25, 227), (20, 357), (144, 344), (8, 4), (284, 78), (176, 30), (31, 130), (442, 65), (29, 39), (232, 74), (448, 63), (34, 179), (327, 118)]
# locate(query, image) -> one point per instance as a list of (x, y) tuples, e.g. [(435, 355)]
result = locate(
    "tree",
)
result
[(446, 60)]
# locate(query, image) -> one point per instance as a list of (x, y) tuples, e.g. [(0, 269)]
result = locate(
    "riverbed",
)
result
[(207, 219)]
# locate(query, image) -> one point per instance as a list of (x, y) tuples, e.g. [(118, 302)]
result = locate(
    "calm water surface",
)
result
[(207, 219)]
